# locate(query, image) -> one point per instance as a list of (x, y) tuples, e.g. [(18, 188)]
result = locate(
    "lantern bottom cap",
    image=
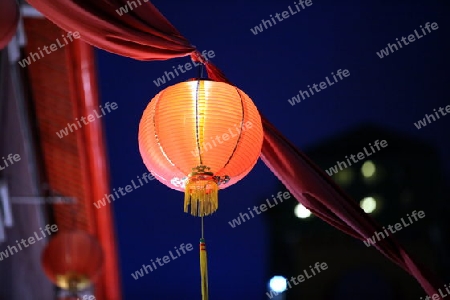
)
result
[(73, 281), (201, 194)]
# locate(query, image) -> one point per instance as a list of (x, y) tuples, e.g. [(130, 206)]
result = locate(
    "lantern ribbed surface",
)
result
[(202, 127)]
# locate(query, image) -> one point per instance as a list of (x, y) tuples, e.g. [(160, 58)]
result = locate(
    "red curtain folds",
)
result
[(145, 34)]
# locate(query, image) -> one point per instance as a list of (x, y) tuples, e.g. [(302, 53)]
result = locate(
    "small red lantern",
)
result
[(72, 260)]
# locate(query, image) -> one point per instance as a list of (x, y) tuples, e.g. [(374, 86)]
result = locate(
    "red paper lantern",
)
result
[(72, 260), (199, 136), (9, 18)]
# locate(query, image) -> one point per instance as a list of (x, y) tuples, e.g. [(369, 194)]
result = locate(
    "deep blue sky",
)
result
[(271, 67)]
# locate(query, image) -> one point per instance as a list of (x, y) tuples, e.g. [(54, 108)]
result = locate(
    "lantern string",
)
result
[(203, 265), (202, 228), (200, 70)]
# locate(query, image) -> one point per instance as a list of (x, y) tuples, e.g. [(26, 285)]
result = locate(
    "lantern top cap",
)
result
[(198, 79)]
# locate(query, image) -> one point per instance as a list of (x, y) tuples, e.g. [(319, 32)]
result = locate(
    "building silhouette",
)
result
[(389, 184)]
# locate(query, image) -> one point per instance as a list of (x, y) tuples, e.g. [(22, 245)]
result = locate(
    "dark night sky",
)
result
[(271, 67)]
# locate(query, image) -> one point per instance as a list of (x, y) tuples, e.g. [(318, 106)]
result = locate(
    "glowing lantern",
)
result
[(200, 136), (72, 260)]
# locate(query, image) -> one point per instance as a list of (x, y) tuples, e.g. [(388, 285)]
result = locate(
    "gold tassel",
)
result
[(202, 196), (203, 269)]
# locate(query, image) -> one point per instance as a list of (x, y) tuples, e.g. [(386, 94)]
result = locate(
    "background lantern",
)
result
[(72, 260), (200, 136)]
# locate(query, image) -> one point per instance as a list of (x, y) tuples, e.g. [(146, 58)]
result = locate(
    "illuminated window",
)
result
[(368, 169), (368, 204), (301, 212), (278, 284), (344, 177)]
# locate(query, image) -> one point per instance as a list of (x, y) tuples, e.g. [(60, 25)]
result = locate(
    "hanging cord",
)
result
[(203, 256), (203, 266), (197, 56), (203, 231), (200, 70)]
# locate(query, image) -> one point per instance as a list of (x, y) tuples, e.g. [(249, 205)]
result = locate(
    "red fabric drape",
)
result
[(145, 34)]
